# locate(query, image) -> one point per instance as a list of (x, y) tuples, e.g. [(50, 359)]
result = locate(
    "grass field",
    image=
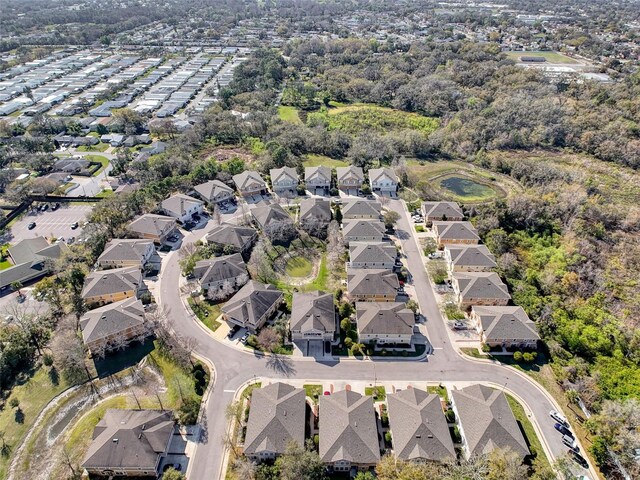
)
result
[(99, 147), (551, 57), (206, 312), (34, 394), (103, 161), (313, 160), (379, 393), (299, 267), (534, 442), (289, 114), (364, 117)]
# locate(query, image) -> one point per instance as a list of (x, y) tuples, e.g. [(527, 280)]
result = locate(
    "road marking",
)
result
[(437, 348), (229, 391)]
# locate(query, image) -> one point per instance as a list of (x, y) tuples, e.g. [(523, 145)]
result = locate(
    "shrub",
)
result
[(316, 440), (47, 359), (527, 357), (517, 356), (420, 228), (348, 342), (14, 402), (252, 341), (486, 348), (457, 438), (450, 415), (345, 325), (188, 413), (384, 418), (387, 437)]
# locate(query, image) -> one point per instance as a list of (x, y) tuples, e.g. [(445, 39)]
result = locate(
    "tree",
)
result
[(365, 475), (391, 217), (259, 264), (413, 306), (244, 468), (269, 339), (392, 468), (517, 356), (504, 464), (345, 324), (172, 474), (298, 463), (129, 121)]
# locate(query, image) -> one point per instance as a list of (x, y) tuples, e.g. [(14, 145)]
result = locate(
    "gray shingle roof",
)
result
[(363, 228), (380, 318), (372, 282), (179, 204), (474, 285), (212, 189), (268, 214), (313, 311), (245, 179), (251, 302), (455, 231), (438, 210), (418, 426), (319, 174), (112, 319), (471, 256), (234, 235), (348, 429), (151, 224), (109, 282), (378, 174), (315, 209), (506, 322), (32, 259), (125, 250), (283, 174), (368, 252), (276, 417), (487, 421), (129, 439), (218, 269), (350, 171), (26, 250), (358, 208)]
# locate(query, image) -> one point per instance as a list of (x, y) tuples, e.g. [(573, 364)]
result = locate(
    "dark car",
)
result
[(44, 207), (31, 226), (233, 331), (562, 429), (74, 225), (579, 459), (55, 206)]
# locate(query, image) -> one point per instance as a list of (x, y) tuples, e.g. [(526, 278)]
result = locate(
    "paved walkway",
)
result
[(233, 367)]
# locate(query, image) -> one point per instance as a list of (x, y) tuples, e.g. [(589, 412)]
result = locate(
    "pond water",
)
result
[(465, 187)]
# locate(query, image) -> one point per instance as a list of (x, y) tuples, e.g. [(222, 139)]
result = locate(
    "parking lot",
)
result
[(51, 223)]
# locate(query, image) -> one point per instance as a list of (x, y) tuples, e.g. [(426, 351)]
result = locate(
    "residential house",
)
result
[(284, 181), (108, 286), (232, 238), (221, 273), (479, 288), (156, 148), (419, 427), (383, 181), (182, 207), (318, 179), (250, 183), (114, 325), (348, 431), (350, 179), (506, 326), (372, 285), (372, 255), (314, 212), (252, 305), (214, 192), (129, 443), (32, 258), (363, 231), (455, 233), (153, 227), (313, 316), (441, 211), (267, 215), (276, 419), (358, 209), (469, 258), (384, 322), (486, 421), (126, 253)]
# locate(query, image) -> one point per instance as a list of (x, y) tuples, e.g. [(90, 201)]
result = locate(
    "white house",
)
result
[(182, 207), (383, 180)]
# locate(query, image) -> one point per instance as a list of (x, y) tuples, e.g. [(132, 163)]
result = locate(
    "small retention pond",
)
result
[(466, 188)]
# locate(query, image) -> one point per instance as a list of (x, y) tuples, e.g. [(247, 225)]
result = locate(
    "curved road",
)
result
[(234, 367)]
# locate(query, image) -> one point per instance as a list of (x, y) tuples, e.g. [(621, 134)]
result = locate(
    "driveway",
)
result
[(233, 368)]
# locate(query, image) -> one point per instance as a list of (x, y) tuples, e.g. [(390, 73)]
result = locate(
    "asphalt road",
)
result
[(234, 367)]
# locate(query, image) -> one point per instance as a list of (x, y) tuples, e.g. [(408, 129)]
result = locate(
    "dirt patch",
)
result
[(223, 154)]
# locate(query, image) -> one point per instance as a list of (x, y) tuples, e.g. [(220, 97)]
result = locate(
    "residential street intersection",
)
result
[(234, 367)]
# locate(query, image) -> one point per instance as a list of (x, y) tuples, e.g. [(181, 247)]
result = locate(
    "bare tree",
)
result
[(244, 468), (269, 339), (260, 265)]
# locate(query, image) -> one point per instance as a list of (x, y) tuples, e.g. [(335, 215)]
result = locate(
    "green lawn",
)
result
[(103, 161), (106, 193), (99, 147), (299, 267), (440, 391), (313, 391), (246, 393), (289, 114), (206, 312), (34, 394), (313, 160), (530, 434), (320, 282), (551, 57), (379, 393)]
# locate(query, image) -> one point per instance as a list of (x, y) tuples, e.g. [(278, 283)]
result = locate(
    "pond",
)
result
[(467, 189)]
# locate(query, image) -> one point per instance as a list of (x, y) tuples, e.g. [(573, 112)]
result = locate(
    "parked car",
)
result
[(31, 226), (458, 325), (74, 225), (579, 459), (558, 417), (55, 206), (70, 240), (244, 339), (570, 442), (44, 207), (562, 429), (233, 331)]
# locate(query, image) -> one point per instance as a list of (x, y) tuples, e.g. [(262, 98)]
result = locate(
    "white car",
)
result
[(558, 417), (570, 442)]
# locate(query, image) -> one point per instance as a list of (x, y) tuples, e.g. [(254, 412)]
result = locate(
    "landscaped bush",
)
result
[(420, 228), (486, 348), (387, 437), (348, 342), (450, 415), (452, 312), (252, 341), (517, 356)]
